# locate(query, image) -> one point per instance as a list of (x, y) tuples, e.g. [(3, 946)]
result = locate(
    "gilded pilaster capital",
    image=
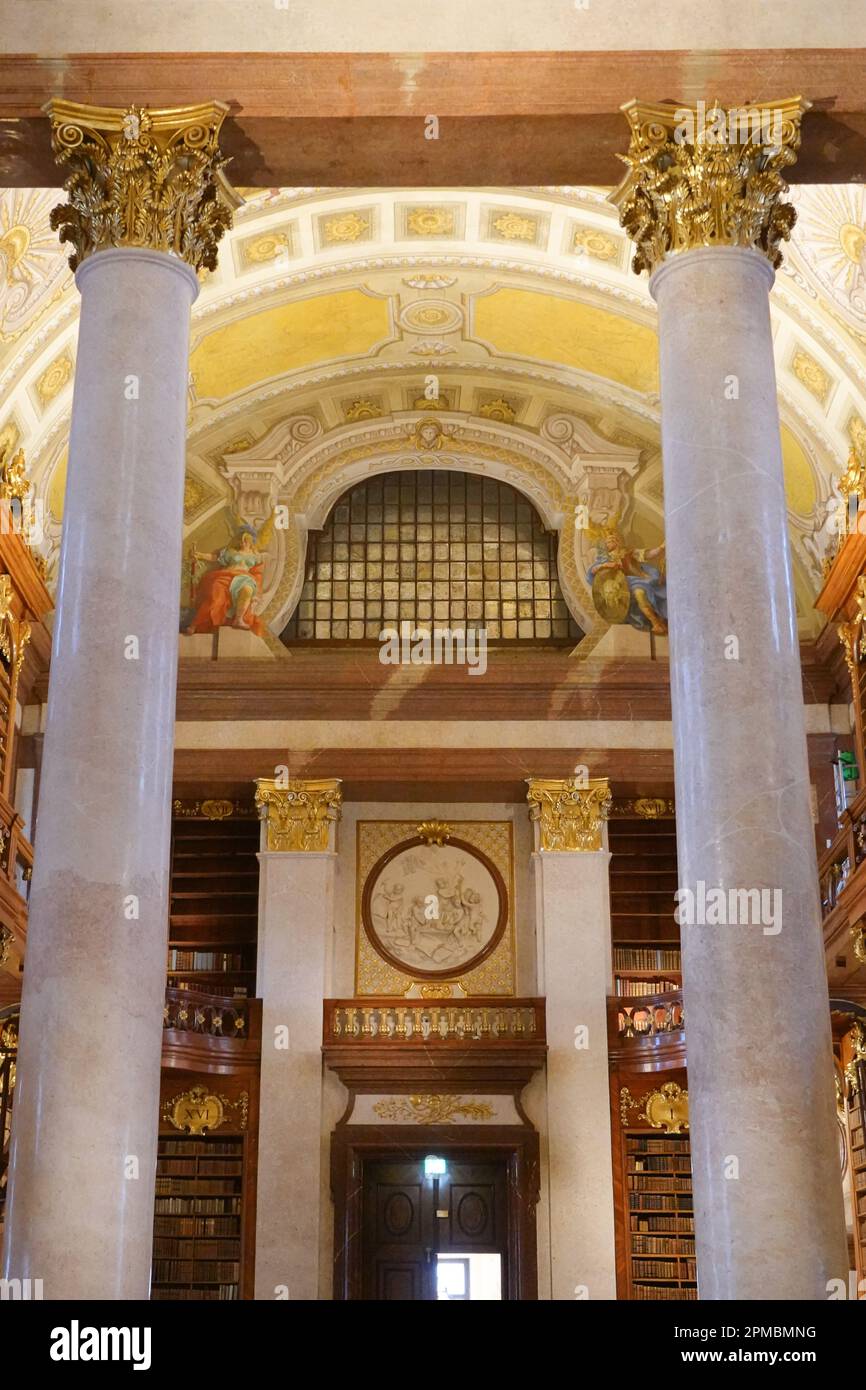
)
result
[(298, 813), (141, 177), (570, 811), (701, 176)]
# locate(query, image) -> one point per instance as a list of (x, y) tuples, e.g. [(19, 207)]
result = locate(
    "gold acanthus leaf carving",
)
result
[(570, 811), (298, 815), (432, 1110), (708, 177), (15, 486), (142, 177)]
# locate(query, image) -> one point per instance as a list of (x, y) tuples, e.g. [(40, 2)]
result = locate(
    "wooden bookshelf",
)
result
[(205, 1199), (660, 1239), (198, 1218), (214, 904), (853, 1055), (641, 968), (643, 882)]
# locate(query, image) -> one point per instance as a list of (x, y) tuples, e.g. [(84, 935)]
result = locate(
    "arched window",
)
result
[(436, 549)]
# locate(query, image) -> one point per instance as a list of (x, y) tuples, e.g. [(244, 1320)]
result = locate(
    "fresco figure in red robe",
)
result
[(224, 596)]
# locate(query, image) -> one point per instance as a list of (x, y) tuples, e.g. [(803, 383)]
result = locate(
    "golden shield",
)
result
[(611, 595)]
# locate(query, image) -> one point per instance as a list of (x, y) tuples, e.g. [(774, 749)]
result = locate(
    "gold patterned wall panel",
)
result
[(496, 974)]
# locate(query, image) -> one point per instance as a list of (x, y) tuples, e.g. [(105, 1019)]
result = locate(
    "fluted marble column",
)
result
[(707, 216), (572, 895), (80, 1214), (296, 907)]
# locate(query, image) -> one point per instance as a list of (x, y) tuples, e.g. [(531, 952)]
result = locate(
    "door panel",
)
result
[(409, 1219), (398, 1234), (475, 1197)]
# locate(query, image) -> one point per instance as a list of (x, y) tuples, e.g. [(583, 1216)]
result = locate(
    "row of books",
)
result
[(661, 1245), (662, 1223), (220, 961), (657, 1201), (636, 989), (646, 958), (195, 1271), (643, 1144), (661, 1163), (190, 1247), (664, 1269), (169, 1147), (657, 1293), (193, 1187), (210, 1167), (197, 1206), (652, 1182), (192, 1226), (224, 1294)]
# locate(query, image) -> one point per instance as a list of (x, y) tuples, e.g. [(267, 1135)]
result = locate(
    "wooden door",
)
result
[(399, 1233), (410, 1219), (472, 1210)]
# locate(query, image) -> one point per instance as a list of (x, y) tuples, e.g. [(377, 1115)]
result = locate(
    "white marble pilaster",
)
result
[(296, 932), (574, 974)]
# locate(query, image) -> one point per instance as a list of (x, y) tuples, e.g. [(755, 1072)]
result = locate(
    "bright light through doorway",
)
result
[(469, 1278)]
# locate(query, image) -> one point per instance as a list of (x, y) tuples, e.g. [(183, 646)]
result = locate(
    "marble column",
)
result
[(570, 866), (706, 209), (296, 909), (80, 1214)]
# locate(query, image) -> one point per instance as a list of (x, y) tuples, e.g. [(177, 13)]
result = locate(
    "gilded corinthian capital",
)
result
[(569, 811), (708, 177), (141, 177), (298, 815)]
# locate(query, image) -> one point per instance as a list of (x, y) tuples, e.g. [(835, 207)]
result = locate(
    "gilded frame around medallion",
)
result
[(451, 972)]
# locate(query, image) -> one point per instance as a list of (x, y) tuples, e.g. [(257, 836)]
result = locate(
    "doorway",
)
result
[(438, 1217), (434, 1229)]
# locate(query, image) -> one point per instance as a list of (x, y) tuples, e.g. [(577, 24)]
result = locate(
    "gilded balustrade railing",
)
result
[(192, 1011), (839, 861), (489, 1020), (647, 1016)]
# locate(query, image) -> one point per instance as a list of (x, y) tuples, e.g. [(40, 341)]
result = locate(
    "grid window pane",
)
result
[(451, 548)]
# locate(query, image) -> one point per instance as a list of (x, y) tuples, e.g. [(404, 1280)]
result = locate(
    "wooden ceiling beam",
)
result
[(507, 119)]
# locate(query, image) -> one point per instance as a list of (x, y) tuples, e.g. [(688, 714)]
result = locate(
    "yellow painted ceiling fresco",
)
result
[(531, 324), (322, 328), (337, 307)]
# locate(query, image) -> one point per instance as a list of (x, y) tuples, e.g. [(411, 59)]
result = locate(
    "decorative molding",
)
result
[(374, 973), (199, 1111), (667, 1108), (214, 809), (298, 816), (432, 1110), (857, 1037), (569, 812), (434, 832), (141, 177), (694, 180), (643, 808)]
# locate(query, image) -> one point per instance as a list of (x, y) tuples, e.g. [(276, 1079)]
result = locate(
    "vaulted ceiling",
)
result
[(331, 310)]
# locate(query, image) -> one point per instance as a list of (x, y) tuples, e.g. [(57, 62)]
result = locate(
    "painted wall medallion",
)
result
[(434, 909)]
